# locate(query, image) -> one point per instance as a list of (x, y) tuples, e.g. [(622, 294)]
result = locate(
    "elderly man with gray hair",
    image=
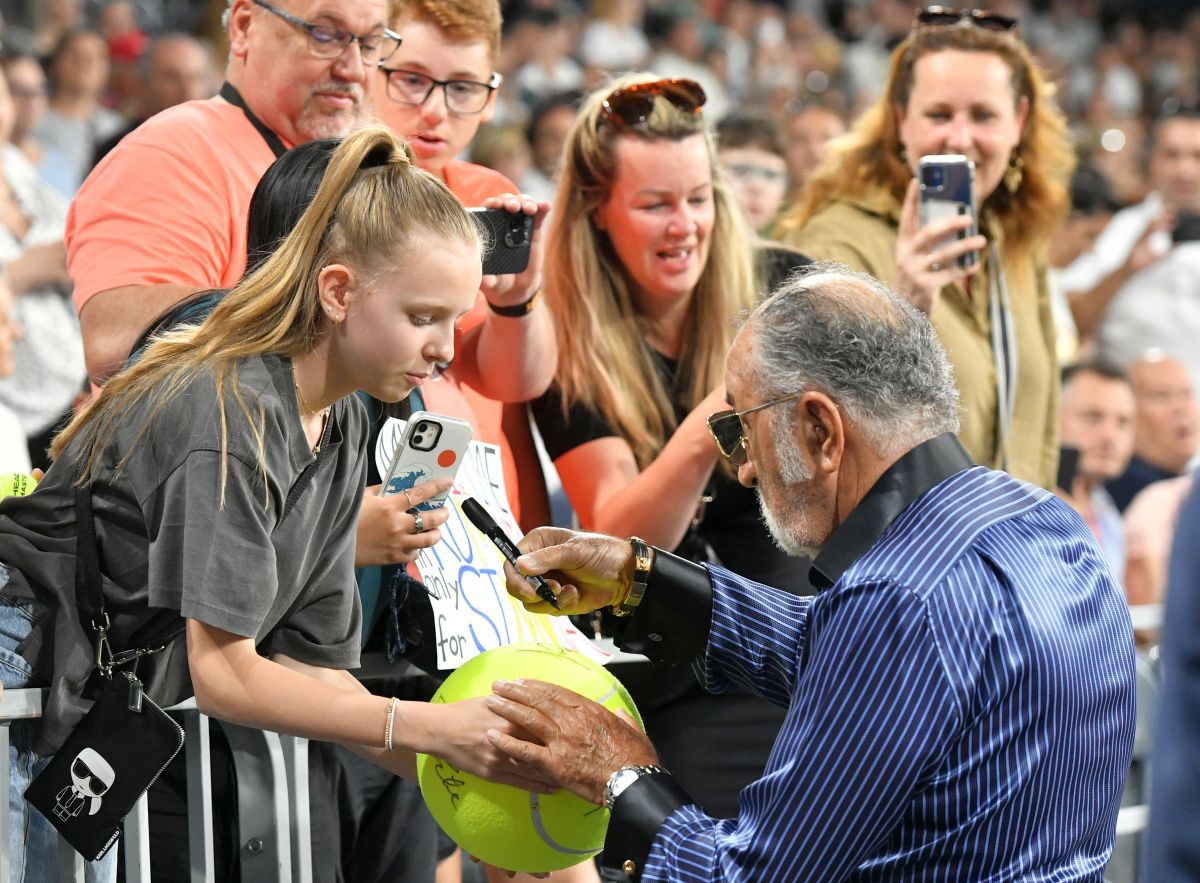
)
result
[(960, 689)]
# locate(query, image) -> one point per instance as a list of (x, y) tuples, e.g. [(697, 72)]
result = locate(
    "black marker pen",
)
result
[(479, 517)]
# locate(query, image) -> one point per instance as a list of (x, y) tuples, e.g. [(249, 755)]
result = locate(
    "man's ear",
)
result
[(240, 15), (335, 289), (822, 431)]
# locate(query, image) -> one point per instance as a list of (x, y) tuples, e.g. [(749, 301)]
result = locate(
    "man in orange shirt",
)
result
[(164, 215), (436, 91)]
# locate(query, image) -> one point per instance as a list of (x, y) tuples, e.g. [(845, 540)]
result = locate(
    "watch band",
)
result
[(624, 777), (643, 563), (516, 311)]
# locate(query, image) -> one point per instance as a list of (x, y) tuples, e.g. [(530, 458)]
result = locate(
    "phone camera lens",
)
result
[(517, 234)]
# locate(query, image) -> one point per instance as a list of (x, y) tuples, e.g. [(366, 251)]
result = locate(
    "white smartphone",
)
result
[(433, 446), (948, 191)]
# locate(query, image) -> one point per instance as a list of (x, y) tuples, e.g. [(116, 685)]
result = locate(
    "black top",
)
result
[(1136, 476), (730, 531)]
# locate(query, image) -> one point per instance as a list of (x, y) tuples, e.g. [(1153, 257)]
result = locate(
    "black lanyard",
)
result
[(230, 94)]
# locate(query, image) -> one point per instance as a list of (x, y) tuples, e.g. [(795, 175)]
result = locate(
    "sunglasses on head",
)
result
[(631, 105), (943, 16)]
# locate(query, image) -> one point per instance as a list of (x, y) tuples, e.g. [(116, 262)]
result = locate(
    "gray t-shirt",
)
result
[(275, 562)]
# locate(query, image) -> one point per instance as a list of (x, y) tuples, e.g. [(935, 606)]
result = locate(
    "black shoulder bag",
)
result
[(123, 744)]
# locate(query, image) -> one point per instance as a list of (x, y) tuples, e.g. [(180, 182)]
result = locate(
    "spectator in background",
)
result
[(1151, 520), (613, 40), (961, 85), (549, 123), (1136, 290), (550, 69), (675, 33), (76, 121), (53, 20), (750, 150), (1167, 432), (1096, 419), (1092, 207), (174, 68), (27, 83), (47, 371), (503, 149), (808, 131), (648, 246)]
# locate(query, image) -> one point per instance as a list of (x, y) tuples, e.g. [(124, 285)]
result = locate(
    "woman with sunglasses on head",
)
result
[(961, 83), (648, 263), (225, 470)]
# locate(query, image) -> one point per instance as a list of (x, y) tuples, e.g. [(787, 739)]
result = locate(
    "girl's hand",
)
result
[(388, 525)]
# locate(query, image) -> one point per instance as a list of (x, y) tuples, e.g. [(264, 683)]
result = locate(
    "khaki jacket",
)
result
[(862, 235)]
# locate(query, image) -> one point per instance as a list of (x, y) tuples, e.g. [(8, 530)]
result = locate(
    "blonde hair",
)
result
[(370, 204), (869, 157), (603, 360)]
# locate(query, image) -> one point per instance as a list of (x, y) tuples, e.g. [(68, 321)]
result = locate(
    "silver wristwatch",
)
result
[(623, 778)]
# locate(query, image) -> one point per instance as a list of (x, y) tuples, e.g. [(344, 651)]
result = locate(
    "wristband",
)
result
[(516, 311)]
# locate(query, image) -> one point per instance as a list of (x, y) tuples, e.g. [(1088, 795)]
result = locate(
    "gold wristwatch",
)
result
[(643, 561)]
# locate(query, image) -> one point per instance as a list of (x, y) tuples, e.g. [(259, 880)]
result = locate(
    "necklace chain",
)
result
[(324, 412)]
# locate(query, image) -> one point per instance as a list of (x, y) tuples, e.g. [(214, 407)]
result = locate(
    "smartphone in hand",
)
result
[(433, 446), (507, 239), (947, 191)]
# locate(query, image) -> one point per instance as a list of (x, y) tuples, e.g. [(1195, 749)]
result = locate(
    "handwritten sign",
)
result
[(464, 573)]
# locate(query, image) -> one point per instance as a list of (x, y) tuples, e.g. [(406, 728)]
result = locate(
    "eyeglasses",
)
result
[(325, 41), (747, 172), (730, 433), (934, 16), (462, 96), (634, 104)]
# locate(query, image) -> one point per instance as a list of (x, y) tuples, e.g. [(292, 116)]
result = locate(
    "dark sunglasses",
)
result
[(935, 16), (634, 104), (730, 433)]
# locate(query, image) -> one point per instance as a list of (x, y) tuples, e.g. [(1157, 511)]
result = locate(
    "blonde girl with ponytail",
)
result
[(226, 471)]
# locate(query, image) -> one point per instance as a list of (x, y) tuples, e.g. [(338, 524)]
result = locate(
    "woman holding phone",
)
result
[(961, 83), (648, 252), (226, 471)]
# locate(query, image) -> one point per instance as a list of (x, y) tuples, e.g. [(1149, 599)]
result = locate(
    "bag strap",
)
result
[(89, 593), (89, 598)]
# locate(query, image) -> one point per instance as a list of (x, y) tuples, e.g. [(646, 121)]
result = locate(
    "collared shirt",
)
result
[(960, 694)]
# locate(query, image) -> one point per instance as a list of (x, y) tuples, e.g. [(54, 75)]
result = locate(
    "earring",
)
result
[(1014, 174)]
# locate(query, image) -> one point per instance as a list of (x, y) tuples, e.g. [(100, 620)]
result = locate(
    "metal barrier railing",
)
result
[(272, 794)]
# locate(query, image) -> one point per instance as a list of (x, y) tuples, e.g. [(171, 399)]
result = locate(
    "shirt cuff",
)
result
[(673, 621), (637, 815)]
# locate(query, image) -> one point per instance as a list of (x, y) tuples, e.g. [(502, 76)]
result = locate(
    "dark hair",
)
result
[(1092, 193), (282, 195), (1170, 112), (1100, 367), (570, 99), (750, 130)]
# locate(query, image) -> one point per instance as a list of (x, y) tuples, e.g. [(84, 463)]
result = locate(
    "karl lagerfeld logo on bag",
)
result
[(91, 777)]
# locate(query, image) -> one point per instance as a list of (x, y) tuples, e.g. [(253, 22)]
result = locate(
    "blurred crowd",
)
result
[(819, 126)]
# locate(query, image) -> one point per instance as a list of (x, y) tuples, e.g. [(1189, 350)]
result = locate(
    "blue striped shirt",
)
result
[(961, 695)]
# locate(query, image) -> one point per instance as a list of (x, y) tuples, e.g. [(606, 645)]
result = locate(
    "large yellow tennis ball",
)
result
[(502, 825), (16, 484)]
